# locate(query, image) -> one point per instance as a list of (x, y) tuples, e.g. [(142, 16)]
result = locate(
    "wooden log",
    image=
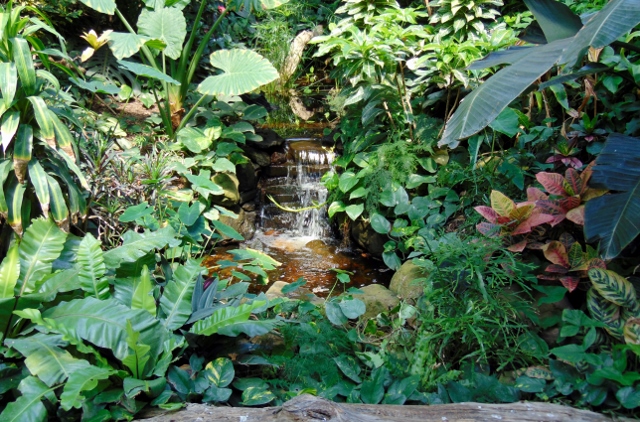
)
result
[(308, 408)]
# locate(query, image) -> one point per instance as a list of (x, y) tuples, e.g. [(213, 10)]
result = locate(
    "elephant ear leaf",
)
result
[(253, 5), (244, 71), (614, 218), (102, 6)]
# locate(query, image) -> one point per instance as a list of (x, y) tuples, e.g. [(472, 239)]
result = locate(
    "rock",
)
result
[(229, 182), (270, 139), (245, 224), (402, 282), (278, 158), (275, 291), (247, 177), (367, 238), (378, 299), (261, 158), (246, 198)]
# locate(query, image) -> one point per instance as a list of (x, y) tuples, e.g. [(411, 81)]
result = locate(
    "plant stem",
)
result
[(190, 114)]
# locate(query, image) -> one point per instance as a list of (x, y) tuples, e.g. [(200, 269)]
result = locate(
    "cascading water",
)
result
[(303, 241)]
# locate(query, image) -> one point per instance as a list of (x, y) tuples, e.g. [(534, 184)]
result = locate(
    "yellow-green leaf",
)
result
[(41, 112), (38, 179), (502, 204), (24, 65), (9, 272), (613, 287), (143, 295)]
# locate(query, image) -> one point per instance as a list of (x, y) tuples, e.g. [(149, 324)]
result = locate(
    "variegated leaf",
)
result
[(556, 253), (64, 138), (22, 151), (632, 331), (38, 179), (552, 182), (10, 123), (24, 65), (487, 212), (613, 287), (5, 168), (41, 112), (59, 210), (569, 282), (535, 194), (604, 311), (573, 182), (8, 83), (576, 215), (489, 229)]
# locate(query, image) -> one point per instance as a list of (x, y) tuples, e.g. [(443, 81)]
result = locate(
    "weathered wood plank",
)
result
[(307, 408)]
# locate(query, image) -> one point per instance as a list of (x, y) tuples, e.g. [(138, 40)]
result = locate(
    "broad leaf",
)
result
[(40, 246), (225, 316), (79, 381), (104, 323), (176, 299), (615, 19), (244, 71), (91, 268), (125, 44), (167, 25), (137, 245), (9, 272), (220, 372), (613, 287), (147, 71), (102, 6), (614, 218), (142, 297), (555, 18), (29, 406), (486, 102)]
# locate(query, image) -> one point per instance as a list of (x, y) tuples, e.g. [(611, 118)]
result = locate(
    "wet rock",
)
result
[(245, 224), (247, 198), (402, 282), (278, 158), (275, 291), (270, 139), (249, 206), (320, 248), (261, 158), (230, 184), (378, 299), (247, 177), (367, 238)]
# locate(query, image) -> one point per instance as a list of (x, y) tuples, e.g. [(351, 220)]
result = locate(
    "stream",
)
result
[(304, 241)]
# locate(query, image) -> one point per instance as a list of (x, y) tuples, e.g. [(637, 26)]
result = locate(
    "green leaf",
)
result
[(244, 71), (226, 230), (486, 102), (216, 394), (142, 297), (555, 18), (8, 83), (24, 65), (335, 314), (349, 367), (189, 214), (507, 123), (220, 372), (167, 25), (292, 287), (40, 184), (372, 390), (615, 19), (97, 86), (254, 5), (254, 112), (359, 193), (613, 287), (380, 224), (9, 127), (136, 245), (91, 268), (102, 6), (352, 308), (104, 323), (354, 211), (254, 396), (29, 406), (629, 397), (225, 316), (46, 359), (147, 71), (530, 385), (336, 206), (203, 184), (613, 218), (79, 381), (139, 357), (194, 139), (9, 272), (224, 165), (134, 212), (125, 44), (176, 299), (41, 245), (347, 181)]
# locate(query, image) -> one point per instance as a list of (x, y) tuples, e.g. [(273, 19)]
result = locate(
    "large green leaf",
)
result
[(244, 71), (167, 25), (253, 5), (136, 245), (102, 6), (614, 218), (142, 297), (41, 245), (79, 381), (24, 65), (555, 18), (46, 358), (615, 19), (91, 268), (9, 127), (125, 44), (147, 71), (485, 103), (104, 323), (224, 317), (9, 272), (8, 82), (29, 406), (176, 299)]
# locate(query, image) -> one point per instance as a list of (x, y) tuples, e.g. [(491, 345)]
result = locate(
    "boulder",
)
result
[(245, 224), (378, 299), (247, 177), (270, 139), (275, 291), (367, 238), (261, 158), (402, 282)]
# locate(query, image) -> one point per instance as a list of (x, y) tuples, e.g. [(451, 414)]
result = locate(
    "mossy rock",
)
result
[(378, 299), (403, 281), (230, 184)]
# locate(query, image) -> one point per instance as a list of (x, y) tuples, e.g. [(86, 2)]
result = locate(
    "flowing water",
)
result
[(303, 241)]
